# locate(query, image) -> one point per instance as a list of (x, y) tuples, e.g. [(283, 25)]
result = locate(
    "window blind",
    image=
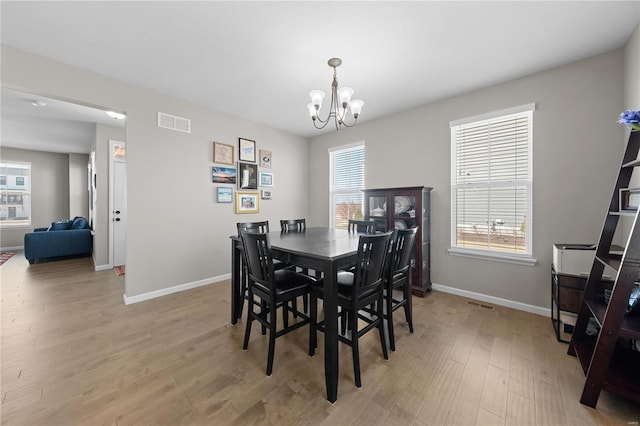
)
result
[(347, 182), (491, 184)]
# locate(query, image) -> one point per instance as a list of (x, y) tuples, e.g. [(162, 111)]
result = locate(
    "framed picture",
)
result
[(266, 194), (248, 175), (247, 150), (266, 179), (223, 174), (265, 158), (223, 153), (225, 194), (247, 202)]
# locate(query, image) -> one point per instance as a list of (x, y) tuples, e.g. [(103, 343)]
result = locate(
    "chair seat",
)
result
[(345, 281), (288, 281)]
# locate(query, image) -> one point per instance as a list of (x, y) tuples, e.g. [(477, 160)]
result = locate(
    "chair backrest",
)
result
[(401, 251), (372, 254), (257, 252), (361, 226), (293, 225), (262, 227)]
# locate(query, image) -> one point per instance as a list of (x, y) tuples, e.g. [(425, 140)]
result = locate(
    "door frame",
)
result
[(112, 143)]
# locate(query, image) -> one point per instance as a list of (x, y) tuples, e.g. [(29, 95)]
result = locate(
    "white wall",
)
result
[(176, 232), (576, 153)]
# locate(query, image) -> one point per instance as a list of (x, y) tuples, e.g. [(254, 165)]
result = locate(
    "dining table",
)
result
[(325, 250)]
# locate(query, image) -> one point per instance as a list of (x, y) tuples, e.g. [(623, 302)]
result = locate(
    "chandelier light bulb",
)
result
[(316, 98), (344, 93), (356, 107), (312, 110)]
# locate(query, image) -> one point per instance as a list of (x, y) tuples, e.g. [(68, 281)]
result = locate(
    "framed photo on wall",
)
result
[(247, 175), (247, 202), (247, 150), (266, 179), (266, 194), (265, 158), (225, 194), (223, 174), (223, 153)]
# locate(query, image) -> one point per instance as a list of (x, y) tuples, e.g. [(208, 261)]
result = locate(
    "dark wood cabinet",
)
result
[(401, 208)]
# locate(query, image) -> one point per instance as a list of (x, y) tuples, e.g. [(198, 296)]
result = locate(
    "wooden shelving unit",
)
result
[(608, 357)]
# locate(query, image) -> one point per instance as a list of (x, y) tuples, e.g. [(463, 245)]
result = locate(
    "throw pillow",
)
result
[(79, 223), (61, 225)]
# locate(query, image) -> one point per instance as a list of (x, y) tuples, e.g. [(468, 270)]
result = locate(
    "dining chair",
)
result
[(260, 227), (361, 226), (274, 288), (297, 225), (293, 225), (356, 291), (398, 277)]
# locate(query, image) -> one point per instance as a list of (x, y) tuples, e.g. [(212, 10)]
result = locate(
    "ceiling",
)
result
[(259, 60)]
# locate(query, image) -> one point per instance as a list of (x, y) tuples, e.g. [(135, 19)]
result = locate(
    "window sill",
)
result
[(495, 257)]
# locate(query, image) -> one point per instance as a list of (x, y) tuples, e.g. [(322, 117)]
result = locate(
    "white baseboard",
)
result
[(16, 248), (101, 267), (491, 299), (128, 300)]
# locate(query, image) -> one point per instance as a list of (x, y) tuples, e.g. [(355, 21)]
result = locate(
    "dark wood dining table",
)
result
[(326, 250)]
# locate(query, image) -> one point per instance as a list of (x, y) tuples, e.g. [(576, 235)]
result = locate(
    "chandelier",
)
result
[(340, 100)]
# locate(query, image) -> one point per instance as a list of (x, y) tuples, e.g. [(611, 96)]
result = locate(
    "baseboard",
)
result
[(128, 300), (16, 248), (101, 267), (495, 300)]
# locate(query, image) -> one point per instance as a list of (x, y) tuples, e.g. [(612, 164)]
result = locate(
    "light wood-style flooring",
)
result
[(73, 354)]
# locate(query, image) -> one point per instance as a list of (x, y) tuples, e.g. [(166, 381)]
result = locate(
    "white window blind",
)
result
[(491, 183), (347, 183)]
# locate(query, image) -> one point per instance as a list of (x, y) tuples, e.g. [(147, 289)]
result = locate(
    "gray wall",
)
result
[(176, 232), (49, 191), (576, 152), (78, 186)]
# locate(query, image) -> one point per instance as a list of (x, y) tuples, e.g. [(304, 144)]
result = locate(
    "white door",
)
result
[(118, 204)]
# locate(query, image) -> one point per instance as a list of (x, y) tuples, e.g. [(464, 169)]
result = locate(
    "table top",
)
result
[(322, 243)]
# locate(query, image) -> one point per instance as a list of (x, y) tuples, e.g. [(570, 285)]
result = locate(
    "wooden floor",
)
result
[(73, 354)]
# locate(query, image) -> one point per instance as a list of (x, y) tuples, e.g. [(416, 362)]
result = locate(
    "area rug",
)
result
[(119, 270), (5, 256)]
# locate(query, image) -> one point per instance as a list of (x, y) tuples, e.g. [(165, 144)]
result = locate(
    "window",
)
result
[(15, 194), (346, 185), (491, 178)]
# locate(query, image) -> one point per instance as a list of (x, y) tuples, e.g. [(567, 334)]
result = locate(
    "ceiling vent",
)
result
[(172, 122)]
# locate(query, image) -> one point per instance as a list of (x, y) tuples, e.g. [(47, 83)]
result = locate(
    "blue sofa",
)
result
[(63, 238)]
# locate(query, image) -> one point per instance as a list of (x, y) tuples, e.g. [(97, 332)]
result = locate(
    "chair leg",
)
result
[(313, 332), (381, 328), (273, 315), (392, 341), (408, 308), (247, 330), (285, 314), (263, 313), (294, 308), (355, 350)]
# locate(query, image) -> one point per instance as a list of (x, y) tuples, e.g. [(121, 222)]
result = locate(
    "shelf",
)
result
[(630, 327), (623, 375), (612, 260), (634, 163)]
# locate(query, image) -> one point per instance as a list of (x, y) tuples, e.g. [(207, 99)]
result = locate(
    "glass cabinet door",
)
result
[(377, 206), (405, 213)]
